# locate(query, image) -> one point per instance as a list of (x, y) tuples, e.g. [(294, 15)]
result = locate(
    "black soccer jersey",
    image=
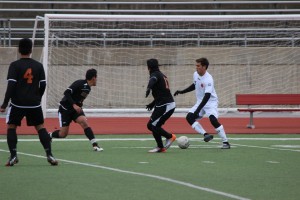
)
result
[(27, 75), (76, 93), (160, 89)]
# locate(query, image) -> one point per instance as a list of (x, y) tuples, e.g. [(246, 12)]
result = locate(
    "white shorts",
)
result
[(211, 108)]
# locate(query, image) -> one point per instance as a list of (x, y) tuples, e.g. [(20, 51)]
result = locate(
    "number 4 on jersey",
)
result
[(28, 75)]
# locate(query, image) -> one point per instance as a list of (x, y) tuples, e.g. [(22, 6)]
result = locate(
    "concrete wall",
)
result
[(123, 76)]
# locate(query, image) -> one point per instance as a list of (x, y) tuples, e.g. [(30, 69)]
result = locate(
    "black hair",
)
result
[(25, 46), (203, 61), (90, 74), (152, 63)]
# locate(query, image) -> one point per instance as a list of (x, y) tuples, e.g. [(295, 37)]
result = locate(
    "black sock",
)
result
[(55, 134), (162, 132), (12, 141), (45, 141), (89, 133)]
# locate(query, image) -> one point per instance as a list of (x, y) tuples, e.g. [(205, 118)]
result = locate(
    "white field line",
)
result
[(190, 185), (259, 147), (150, 139)]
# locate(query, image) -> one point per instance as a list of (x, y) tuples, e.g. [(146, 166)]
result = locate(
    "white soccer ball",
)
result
[(183, 142)]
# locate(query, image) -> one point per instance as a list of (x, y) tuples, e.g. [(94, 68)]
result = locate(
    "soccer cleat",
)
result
[(157, 150), (52, 160), (170, 141), (12, 161), (208, 138), (225, 146), (97, 148)]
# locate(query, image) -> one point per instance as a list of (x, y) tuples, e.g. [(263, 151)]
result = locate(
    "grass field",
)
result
[(262, 167)]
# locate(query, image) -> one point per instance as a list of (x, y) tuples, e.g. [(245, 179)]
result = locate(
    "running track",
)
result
[(177, 125)]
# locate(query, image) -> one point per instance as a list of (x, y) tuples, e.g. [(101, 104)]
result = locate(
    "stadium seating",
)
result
[(20, 16)]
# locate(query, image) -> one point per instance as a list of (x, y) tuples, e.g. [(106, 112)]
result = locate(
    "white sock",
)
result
[(93, 141), (221, 132), (197, 126)]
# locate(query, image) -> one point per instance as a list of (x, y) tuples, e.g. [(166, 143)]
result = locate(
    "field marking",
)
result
[(271, 148), (190, 185), (150, 139)]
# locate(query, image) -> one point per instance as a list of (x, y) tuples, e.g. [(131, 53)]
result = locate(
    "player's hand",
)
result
[(3, 107), (150, 106), (147, 92), (177, 92), (77, 108)]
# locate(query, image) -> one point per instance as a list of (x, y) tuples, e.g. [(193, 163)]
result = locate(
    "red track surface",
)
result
[(177, 125)]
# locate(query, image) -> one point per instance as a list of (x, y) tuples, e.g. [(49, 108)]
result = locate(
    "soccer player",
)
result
[(71, 108), (207, 102), (25, 88), (163, 104)]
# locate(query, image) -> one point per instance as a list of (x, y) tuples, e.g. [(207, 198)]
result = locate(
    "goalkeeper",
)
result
[(207, 102), (71, 108), (163, 104)]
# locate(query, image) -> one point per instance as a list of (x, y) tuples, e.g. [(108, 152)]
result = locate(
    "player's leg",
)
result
[(13, 119), (192, 120), (82, 121), (159, 143), (213, 114), (156, 114), (34, 117), (64, 119), (167, 113)]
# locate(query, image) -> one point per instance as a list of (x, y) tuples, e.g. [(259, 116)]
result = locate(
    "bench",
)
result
[(266, 99)]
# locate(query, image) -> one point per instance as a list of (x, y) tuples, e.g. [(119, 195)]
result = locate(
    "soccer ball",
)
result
[(183, 142)]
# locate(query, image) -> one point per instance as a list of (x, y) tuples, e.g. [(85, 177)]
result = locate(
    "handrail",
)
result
[(5, 31), (152, 3), (151, 10)]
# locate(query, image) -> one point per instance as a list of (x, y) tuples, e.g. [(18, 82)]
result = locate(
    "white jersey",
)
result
[(205, 84)]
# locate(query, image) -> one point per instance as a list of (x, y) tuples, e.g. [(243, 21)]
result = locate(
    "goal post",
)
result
[(247, 54)]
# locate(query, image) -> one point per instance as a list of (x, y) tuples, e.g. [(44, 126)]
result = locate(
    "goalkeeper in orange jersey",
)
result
[(70, 108), (163, 104)]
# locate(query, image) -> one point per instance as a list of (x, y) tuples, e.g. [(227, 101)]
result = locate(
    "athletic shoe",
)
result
[(170, 141), (96, 147), (208, 138), (52, 160), (157, 150), (225, 146), (12, 161)]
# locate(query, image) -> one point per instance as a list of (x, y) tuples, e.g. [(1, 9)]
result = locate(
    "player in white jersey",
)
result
[(207, 102)]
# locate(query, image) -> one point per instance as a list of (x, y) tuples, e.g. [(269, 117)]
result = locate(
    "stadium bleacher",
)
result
[(17, 17)]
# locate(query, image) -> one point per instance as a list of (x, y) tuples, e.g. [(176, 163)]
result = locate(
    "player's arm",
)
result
[(186, 90), (43, 83), (11, 87), (203, 102), (42, 87), (151, 83), (68, 94)]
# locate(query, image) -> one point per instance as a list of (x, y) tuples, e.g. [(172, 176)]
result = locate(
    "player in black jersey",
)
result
[(163, 104), (71, 108), (25, 88)]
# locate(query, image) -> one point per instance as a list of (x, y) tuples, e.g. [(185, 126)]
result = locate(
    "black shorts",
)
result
[(162, 113), (66, 116), (34, 116)]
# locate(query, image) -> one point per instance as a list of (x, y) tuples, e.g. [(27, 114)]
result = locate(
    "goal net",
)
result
[(247, 54)]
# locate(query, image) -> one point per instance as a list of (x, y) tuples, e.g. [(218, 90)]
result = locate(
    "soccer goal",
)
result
[(247, 54)]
